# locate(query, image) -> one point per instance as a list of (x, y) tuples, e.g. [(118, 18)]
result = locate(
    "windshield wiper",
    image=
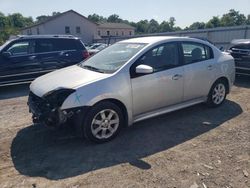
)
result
[(92, 68)]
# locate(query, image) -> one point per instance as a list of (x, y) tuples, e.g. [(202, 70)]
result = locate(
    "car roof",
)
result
[(155, 39), (44, 37)]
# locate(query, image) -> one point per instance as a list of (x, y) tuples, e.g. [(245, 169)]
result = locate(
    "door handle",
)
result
[(210, 67), (32, 57), (64, 54), (176, 77)]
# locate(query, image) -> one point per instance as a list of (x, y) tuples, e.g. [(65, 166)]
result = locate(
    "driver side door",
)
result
[(21, 64)]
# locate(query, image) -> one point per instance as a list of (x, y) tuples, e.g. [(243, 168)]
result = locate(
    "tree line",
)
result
[(12, 23), (232, 18)]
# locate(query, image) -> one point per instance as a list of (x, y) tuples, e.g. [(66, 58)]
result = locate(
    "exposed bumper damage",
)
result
[(47, 110)]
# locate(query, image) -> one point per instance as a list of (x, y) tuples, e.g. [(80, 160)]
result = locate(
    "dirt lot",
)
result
[(190, 148)]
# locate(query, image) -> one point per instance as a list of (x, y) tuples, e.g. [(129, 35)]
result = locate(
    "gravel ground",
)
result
[(197, 147)]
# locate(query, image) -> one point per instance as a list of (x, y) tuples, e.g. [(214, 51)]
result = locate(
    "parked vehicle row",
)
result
[(27, 57), (131, 81), (96, 47)]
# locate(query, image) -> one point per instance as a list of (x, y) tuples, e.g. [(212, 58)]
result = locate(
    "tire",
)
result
[(217, 94), (103, 122)]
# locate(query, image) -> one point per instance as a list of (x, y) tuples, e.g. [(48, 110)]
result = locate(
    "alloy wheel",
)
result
[(219, 93), (105, 124)]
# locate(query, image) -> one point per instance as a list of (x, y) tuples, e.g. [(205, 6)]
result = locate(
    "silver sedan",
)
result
[(131, 81)]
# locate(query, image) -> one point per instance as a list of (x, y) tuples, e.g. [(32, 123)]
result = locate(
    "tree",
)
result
[(233, 18), (114, 18), (164, 27), (172, 22), (55, 13), (42, 18), (197, 25), (96, 18), (3, 21), (214, 22), (142, 26), (248, 19), (153, 26), (45, 17)]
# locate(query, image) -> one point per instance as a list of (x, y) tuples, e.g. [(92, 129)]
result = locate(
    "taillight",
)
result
[(85, 54)]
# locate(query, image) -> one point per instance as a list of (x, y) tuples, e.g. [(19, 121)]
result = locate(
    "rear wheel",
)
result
[(103, 122), (217, 94)]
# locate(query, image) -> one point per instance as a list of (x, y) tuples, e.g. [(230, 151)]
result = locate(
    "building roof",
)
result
[(115, 26), (55, 17)]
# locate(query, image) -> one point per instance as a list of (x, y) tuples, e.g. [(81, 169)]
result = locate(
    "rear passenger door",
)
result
[(199, 69), (71, 51), (47, 54)]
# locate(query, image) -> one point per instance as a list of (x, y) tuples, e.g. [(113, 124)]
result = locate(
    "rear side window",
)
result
[(195, 52), (68, 44), (44, 45)]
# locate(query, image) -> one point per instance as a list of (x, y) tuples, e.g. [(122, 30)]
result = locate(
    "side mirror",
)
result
[(221, 48), (6, 54), (144, 69)]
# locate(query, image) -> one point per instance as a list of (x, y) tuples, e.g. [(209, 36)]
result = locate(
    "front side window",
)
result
[(161, 57), (195, 52), (19, 48), (113, 57)]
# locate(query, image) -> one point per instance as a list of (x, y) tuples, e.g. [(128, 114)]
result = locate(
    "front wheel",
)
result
[(217, 94), (103, 122)]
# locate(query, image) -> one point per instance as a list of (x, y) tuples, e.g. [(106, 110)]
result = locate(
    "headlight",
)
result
[(57, 97)]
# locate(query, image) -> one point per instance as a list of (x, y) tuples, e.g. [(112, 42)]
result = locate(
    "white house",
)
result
[(73, 23), (69, 22)]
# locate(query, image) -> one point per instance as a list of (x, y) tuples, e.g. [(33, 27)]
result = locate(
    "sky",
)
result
[(185, 11)]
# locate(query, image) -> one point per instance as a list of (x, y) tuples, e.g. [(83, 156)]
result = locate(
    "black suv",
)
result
[(240, 50), (27, 57)]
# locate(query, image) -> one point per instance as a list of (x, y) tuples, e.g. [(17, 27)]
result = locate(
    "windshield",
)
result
[(112, 58)]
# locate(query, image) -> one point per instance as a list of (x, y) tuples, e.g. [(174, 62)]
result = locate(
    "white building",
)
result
[(73, 23), (69, 22), (115, 29)]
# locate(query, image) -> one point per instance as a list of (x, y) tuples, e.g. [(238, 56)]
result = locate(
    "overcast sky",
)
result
[(185, 12)]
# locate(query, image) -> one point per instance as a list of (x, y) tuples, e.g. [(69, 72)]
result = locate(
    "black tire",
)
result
[(95, 113), (211, 101)]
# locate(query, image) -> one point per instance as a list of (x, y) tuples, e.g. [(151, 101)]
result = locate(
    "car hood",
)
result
[(70, 77)]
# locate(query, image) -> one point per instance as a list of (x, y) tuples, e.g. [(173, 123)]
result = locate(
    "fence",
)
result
[(221, 37)]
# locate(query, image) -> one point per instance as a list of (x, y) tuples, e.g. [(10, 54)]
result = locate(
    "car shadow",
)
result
[(39, 152), (242, 81), (8, 92)]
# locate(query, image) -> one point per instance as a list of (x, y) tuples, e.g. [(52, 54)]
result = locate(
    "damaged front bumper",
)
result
[(50, 114)]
